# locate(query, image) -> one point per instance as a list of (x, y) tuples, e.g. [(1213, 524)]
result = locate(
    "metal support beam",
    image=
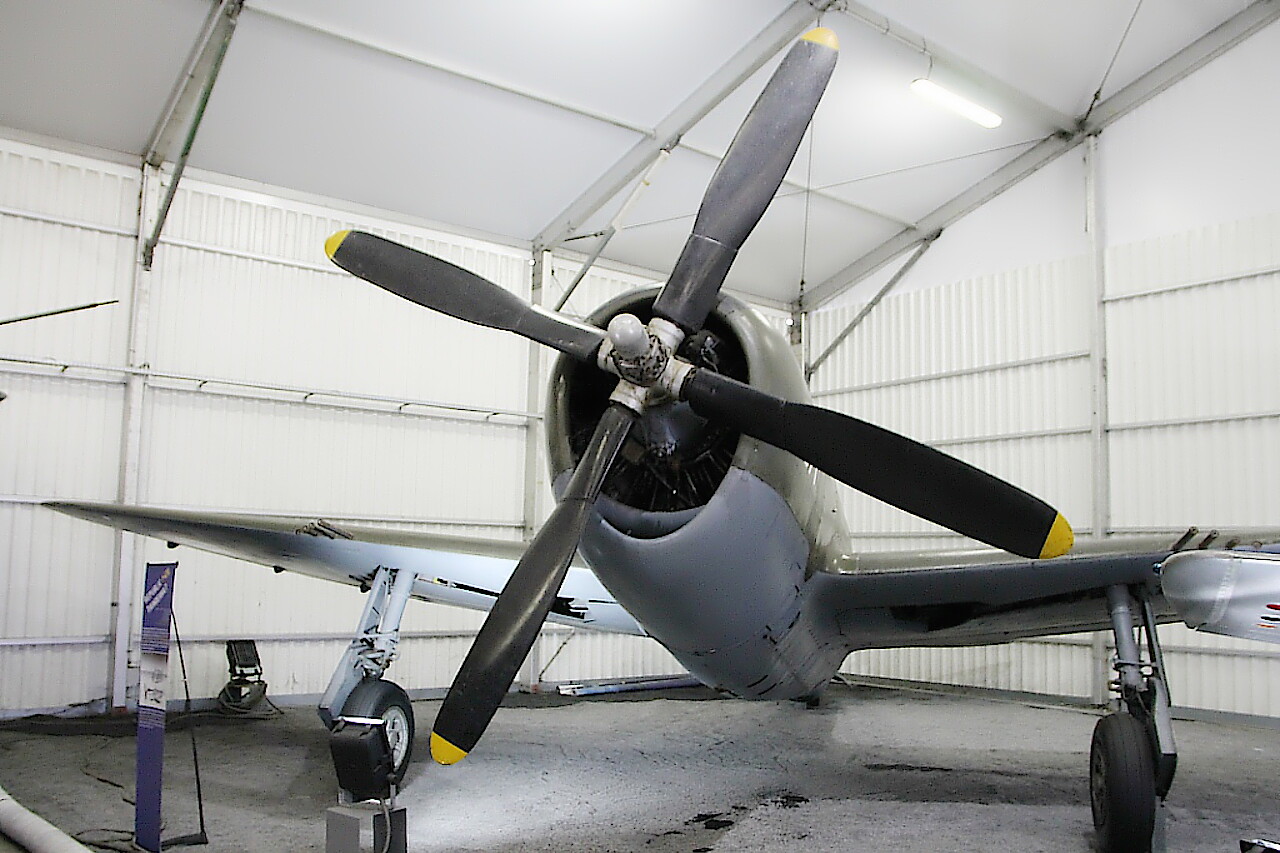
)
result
[(1197, 54), (530, 673), (1100, 418), (866, 309), (1252, 19), (786, 27), (127, 580), (971, 76), (615, 225), (533, 481), (181, 117)]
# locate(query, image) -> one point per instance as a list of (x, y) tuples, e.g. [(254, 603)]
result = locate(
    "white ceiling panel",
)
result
[(319, 114), (497, 116), (634, 61), (92, 72)]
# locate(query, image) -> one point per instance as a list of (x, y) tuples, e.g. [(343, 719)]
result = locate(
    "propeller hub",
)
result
[(628, 335), (639, 355)]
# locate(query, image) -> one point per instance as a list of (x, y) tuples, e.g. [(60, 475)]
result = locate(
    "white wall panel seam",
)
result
[(78, 224), (1184, 422), (953, 374), (255, 256), (25, 642), (60, 374), (1194, 285), (1027, 435), (157, 380)]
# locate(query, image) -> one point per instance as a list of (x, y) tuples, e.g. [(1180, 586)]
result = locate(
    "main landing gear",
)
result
[(1133, 756), (357, 689)]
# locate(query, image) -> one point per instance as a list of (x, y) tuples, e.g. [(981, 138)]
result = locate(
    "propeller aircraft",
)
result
[(695, 478)]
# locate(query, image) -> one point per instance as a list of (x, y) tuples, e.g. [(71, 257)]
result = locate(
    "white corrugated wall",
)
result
[(271, 382), (261, 364), (64, 240), (996, 370)]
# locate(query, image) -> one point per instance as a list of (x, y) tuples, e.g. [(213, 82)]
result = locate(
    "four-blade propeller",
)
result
[(880, 463)]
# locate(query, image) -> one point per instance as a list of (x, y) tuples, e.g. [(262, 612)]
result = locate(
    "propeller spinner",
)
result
[(883, 464)]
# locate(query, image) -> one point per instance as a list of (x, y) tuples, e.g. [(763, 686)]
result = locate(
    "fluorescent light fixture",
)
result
[(931, 91)]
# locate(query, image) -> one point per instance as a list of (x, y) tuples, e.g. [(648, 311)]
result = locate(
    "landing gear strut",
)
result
[(357, 688), (1133, 757)]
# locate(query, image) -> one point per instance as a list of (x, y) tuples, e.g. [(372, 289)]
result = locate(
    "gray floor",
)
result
[(874, 769)]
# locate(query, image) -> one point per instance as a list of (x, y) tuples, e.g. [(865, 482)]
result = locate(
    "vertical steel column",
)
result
[(530, 673), (180, 118), (1098, 346), (1101, 456), (127, 579)]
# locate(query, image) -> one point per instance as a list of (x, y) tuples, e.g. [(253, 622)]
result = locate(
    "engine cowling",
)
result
[(673, 460)]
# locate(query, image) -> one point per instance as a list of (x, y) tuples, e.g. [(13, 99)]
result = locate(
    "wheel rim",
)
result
[(397, 729), (1098, 787)]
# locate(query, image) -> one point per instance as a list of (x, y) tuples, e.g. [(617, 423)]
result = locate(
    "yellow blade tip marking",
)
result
[(824, 37), (444, 752), (335, 240), (1059, 540)]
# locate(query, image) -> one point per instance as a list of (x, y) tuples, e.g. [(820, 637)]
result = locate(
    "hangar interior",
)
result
[(1087, 306)]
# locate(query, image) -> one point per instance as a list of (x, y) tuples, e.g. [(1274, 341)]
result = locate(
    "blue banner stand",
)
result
[(157, 607)]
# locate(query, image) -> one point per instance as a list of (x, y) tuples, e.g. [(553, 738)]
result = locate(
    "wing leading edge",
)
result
[(459, 571)]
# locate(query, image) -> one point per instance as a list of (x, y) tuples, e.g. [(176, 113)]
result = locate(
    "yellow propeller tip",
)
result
[(1059, 540), (443, 751), (823, 36), (335, 240)]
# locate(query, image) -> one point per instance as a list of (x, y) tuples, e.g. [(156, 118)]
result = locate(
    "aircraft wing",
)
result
[(981, 597), (460, 571)]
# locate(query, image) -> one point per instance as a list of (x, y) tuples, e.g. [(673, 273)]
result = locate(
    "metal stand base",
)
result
[(343, 825)]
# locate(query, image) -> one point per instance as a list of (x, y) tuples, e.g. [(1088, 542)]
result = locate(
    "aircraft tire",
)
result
[(1122, 787), (379, 698)]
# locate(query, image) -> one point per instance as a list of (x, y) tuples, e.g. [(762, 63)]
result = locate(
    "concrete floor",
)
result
[(873, 769)]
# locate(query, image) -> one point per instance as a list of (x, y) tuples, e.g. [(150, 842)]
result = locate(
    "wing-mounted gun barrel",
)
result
[(1235, 593)]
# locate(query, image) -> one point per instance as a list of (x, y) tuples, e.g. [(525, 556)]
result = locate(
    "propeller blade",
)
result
[(513, 624), (747, 178), (450, 289), (885, 465)]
